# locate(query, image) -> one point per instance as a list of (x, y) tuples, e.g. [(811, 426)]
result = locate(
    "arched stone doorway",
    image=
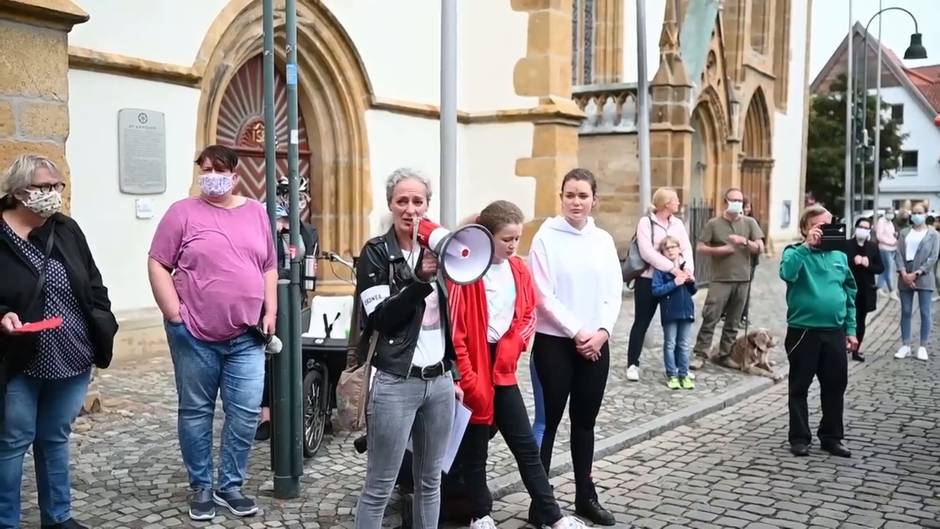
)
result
[(334, 92), (757, 160)]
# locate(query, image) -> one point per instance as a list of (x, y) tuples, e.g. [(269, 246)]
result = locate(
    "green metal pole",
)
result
[(285, 486), (293, 144)]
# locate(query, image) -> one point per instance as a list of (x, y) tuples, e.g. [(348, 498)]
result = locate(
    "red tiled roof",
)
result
[(927, 80)]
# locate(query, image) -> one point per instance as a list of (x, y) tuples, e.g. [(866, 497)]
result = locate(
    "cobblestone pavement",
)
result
[(733, 468), (127, 470)]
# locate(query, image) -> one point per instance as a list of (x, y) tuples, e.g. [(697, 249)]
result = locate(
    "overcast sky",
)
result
[(831, 23)]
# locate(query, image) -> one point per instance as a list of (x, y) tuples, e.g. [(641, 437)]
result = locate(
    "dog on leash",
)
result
[(750, 354)]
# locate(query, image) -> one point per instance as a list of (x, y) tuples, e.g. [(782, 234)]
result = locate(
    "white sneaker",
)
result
[(894, 296), (483, 523), (922, 353), (568, 522), (633, 374), (903, 352)]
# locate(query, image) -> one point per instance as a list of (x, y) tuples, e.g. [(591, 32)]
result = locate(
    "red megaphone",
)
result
[(464, 254)]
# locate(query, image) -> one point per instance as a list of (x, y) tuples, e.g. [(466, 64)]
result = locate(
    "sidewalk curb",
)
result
[(752, 386), (512, 483)]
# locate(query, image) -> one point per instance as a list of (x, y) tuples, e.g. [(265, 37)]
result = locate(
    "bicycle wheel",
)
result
[(314, 416)]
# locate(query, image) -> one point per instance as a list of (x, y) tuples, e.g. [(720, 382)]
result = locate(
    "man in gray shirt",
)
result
[(731, 240)]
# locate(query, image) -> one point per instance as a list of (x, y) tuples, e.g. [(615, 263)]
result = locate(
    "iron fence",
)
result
[(697, 213)]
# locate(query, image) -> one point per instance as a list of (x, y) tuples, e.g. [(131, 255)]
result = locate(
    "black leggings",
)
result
[(644, 305), (563, 372)]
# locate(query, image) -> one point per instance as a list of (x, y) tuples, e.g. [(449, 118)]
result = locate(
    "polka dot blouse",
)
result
[(65, 351)]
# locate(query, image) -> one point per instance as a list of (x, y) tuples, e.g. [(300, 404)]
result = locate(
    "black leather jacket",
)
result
[(397, 317)]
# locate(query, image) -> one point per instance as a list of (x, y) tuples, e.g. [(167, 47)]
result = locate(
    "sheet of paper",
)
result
[(458, 428)]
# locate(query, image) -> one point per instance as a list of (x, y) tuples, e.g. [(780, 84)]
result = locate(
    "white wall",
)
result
[(788, 133), (401, 141), (924, 137), (399, 43), (118, 240), (486, 162), (166, 30), (492, 39), (488, 155)]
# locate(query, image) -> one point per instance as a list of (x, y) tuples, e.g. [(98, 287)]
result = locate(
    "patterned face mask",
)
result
[(216, 184), (43, 202)]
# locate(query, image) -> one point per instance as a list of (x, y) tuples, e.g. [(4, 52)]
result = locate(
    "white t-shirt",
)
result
[(500, 299), (430, 347), (912, 241)]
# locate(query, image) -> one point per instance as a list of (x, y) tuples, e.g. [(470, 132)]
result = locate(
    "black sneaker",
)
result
[(594, 512), (235, 501), (68, 524), (201, 507)]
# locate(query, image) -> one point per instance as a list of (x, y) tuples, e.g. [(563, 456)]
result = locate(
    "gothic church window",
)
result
[(582, 42)]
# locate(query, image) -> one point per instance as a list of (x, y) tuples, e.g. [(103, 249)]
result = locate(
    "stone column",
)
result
[(34, 88), (545, 72)]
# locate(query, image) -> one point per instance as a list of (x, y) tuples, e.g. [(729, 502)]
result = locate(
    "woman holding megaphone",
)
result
[(413, 390), (493, 321), (577, 275)]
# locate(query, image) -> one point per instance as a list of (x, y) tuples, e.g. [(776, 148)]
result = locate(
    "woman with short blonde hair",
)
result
[(659, 223)]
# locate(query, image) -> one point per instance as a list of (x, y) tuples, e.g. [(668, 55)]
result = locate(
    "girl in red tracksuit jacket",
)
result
[(493, 320)]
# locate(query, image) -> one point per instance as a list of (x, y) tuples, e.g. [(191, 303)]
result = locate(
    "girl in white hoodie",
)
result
[(577, 275)]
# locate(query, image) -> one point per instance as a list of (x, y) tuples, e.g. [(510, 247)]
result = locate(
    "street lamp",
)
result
[(914, 51)]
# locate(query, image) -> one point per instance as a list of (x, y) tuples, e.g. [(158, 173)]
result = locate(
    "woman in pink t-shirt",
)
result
[(212, 270)]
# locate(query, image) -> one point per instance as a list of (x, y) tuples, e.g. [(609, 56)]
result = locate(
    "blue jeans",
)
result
[(204, 369), (538, 424), (398, 408), (40, 413), (886, 277), (907, 314), (677, 342)]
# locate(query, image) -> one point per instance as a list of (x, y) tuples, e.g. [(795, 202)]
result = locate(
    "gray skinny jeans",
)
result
[(400, 408)]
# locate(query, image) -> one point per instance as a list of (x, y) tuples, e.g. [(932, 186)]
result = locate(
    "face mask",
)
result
[(216, 184), (43, 203), (735, 206), (918, 219), (862, 234)]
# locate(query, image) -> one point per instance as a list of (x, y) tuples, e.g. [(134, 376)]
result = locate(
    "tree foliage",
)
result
[(825, 154)]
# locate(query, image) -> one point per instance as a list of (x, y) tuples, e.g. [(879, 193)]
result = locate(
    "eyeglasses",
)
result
[(49, 187)]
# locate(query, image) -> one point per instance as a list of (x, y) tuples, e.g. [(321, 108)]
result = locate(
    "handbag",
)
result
[(352, 392), (634, 265)]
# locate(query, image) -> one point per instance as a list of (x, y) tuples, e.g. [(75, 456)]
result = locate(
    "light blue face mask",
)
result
[(735, 207), (918, 219)]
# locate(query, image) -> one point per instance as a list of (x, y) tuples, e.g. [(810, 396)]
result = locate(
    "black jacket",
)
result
[(398, 317), (18, 291), (866, 296)]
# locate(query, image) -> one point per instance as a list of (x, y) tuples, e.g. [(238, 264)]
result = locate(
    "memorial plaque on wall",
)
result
[(141, 151)]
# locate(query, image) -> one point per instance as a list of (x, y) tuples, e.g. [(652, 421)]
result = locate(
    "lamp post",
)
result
[(914, 51)]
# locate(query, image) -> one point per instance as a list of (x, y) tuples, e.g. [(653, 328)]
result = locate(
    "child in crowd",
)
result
[(677, 311)]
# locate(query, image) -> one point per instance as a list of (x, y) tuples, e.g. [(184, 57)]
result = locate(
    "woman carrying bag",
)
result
[(48, 274), (413, 390)]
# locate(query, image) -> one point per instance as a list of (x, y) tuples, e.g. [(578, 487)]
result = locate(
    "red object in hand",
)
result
[(43, 325)]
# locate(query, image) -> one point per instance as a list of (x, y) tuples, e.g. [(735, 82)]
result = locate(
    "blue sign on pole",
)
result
[(291, 74)]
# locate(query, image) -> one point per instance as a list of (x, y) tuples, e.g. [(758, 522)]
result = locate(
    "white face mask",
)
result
[(43, 203), (735, 207), (862, 234)]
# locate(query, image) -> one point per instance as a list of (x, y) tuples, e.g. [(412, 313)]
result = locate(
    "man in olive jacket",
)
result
[(820, 328)]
